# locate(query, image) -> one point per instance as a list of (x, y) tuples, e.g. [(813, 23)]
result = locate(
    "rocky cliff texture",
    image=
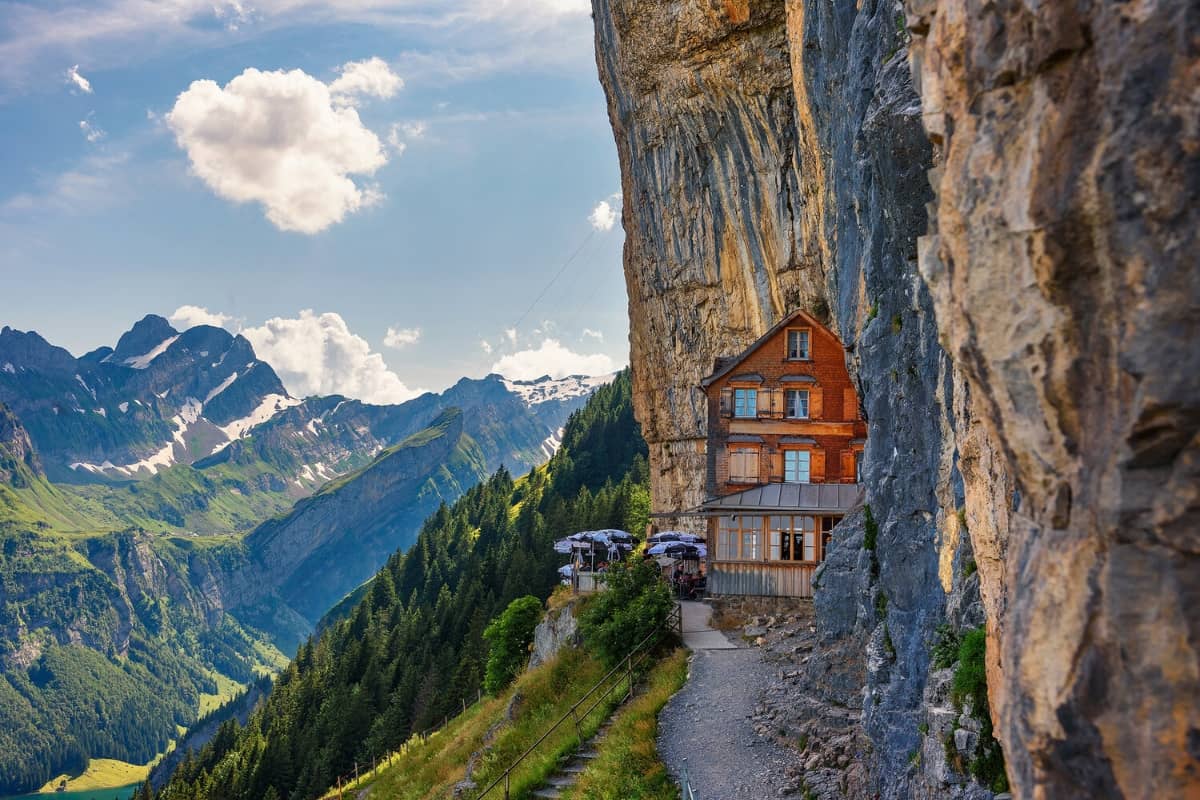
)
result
[(777, 155), (1063, 266)]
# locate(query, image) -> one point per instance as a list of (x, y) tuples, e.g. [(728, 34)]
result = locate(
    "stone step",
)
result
[(547, 793), (589, 753), (563, 779), (573, 768)]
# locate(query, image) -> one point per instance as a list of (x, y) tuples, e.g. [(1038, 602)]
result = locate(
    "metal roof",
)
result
[(833, 497)]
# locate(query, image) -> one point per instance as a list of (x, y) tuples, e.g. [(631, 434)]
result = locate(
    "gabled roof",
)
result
[(728, 365), (777, 497)]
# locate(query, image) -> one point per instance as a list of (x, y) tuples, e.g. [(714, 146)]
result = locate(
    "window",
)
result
[(740, 538), (796, 403), (858, 459), (797, 466), (743, 465), (827, 524), (793, 538), (797, 344), (808, 526), (745, 402)]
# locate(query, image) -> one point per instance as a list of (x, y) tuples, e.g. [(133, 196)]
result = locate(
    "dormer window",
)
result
[(745, 403), (796, 403), (798, 344)]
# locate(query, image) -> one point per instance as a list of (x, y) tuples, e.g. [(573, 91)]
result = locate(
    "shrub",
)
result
[(870, 528), (636, 602), (508, 637), (970, 676), (945, 649)]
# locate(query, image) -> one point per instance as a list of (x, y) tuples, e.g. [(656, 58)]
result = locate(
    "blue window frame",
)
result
[(797, 465), (745, 402)]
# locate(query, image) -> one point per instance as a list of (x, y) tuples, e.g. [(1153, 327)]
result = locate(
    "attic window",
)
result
[(798, 344)]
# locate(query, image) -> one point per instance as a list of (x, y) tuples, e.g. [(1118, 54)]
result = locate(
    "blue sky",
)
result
[(374, 192)]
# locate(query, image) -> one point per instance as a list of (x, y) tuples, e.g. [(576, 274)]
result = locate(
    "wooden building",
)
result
[(785, 445)]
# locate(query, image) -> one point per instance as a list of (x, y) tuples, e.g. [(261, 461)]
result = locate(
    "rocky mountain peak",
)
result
[(28, 350), (147, 333), (16, 450)]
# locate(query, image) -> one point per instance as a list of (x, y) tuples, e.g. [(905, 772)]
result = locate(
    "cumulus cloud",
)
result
[(369, 78), (511, 335), (279, 139), (591, 334), (186, 317), (401, 337), (319, 354), (553, 359), (604, 215), (486, 345), (81, 83), (91, 132)]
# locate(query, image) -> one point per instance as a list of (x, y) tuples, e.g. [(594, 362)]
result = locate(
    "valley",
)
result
[(158, 551)]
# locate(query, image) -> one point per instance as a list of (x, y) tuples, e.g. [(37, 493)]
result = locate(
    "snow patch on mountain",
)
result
[(546, 389), (220, 388), (551, 443), (143, 361), (86, 388), (271, 405)]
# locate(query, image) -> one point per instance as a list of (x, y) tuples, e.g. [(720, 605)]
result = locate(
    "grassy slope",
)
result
[(432, 769), (101, 773), (628, 766)]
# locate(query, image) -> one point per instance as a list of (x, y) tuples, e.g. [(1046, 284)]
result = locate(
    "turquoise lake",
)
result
[(120, 793)]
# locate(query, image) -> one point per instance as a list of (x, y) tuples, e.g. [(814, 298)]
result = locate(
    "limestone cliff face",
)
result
[(701, 103), (772, 158), (1024, 357), (1063, 265)]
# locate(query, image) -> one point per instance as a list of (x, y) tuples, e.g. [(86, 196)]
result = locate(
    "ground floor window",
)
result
[(779, 537), (739, 538)]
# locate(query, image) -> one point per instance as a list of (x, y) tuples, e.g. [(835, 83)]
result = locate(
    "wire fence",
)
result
[(355, 778), (602, 691)]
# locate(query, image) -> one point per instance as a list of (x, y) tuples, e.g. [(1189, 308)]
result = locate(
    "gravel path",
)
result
[(709, 722)]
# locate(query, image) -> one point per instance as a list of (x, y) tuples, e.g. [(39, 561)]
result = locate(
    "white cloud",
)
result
[(233, 13), (401, 337), (511, 335), (277, 138), (553, 359), (512, 34), (81, 83), (318, 354), (369, 78), (401, 133), (486, 345), (604, 215), (186, 317), (91, 132), (97, 182), (597, 335)]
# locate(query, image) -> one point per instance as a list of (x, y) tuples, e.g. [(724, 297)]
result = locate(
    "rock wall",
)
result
[(1041, 475), (1062, 260)]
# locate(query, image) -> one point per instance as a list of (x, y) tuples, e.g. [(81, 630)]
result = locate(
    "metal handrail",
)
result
[(674, 619), (685, 784)]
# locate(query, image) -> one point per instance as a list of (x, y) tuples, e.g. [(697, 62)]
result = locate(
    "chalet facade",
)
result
[(785, 446)]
